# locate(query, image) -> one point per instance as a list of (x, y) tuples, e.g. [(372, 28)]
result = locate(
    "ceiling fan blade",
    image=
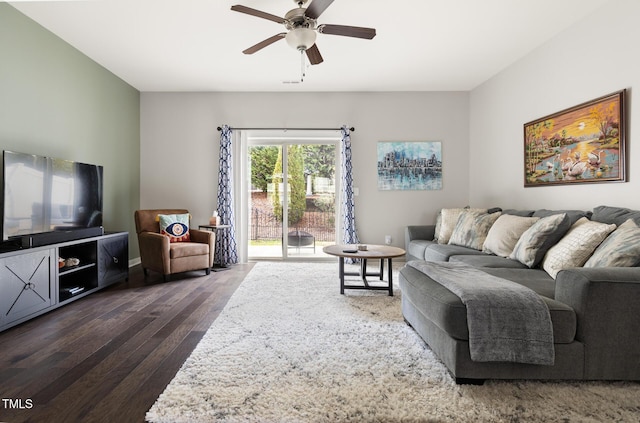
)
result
[(265, 43), (316, 8), (315, 58), (347, 31), (258, 13)]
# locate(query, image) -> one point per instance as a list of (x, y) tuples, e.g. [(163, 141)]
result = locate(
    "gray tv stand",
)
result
[(32, 281)]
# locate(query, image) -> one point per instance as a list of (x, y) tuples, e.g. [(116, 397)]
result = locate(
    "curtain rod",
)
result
[(352, 129)]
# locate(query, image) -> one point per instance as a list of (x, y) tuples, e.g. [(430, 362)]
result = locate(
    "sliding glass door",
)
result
[(291, 197)]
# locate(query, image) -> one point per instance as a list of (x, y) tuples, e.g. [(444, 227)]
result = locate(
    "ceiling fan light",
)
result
[(301, 38)]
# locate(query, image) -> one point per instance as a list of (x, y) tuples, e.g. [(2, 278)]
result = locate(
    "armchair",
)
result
[(167, 258)]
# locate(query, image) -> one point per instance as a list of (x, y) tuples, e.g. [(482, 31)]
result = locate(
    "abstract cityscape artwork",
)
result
[(410, 165)]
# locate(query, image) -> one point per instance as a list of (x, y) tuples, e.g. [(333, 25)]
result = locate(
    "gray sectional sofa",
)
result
[(594, 311)]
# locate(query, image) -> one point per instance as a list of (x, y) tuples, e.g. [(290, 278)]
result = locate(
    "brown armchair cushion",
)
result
[(186, 249)]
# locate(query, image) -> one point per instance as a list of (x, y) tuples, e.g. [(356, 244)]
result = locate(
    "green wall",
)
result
[(57, 102)]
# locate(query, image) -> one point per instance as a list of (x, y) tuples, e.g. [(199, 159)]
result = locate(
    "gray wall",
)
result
[(55, 101), (180, 147), (593, 58)]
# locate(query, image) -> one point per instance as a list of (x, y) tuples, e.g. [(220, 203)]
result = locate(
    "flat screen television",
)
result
[(44, 194)]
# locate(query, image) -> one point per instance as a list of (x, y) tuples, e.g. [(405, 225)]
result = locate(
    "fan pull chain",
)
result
[(302, 73)]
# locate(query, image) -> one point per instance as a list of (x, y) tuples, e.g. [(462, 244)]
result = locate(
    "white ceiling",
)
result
[(196, 45)]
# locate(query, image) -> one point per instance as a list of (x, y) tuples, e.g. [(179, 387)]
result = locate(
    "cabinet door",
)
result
[(25, 284), (113, 259)]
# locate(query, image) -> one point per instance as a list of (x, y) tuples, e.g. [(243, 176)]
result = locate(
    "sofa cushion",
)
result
[(435, 302), (617, 215), (417, 248), (620, 249), (472, 228), (574, 215), (536, 241), (486, 260), (536, 279), (515, 212), (447, 311), (442, 252), (448, 221), (505, 233), (187, 249), (576, 246)]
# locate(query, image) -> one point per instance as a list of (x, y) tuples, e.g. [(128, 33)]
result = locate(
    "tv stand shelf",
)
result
[(33, 283), (77, 268)]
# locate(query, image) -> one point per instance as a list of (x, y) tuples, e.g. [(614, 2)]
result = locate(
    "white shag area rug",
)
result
[(289, 348)]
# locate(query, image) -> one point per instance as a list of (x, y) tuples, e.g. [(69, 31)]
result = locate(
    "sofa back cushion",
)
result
[(574, 215), (536, 241), (617, 215), (516, 212)]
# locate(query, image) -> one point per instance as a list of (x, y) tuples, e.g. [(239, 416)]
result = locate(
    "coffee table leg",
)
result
[(363, 271), (341, 271), (381, 269), (390, 276)]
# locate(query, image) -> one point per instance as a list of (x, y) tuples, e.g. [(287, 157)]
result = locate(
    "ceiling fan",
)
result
[(301, 24)]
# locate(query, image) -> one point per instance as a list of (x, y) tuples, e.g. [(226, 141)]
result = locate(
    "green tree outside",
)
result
[(263, 163), (320, 159), (296, 180)]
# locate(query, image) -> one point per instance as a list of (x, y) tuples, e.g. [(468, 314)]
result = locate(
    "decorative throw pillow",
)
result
[(438, 225), (536, 241), (505, 233), (175, 226), (576, 246), (448, 221), (620, 249), (472, 229)]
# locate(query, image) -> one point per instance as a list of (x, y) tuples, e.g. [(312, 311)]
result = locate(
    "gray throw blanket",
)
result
[(507, 321)]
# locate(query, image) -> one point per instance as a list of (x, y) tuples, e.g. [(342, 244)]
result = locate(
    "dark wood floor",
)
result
[(107, 357)]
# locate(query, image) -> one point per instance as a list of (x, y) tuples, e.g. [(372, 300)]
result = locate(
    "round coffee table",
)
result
[(376, 252)]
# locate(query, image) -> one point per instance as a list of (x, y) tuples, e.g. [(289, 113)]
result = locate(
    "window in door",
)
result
[(291, 198)]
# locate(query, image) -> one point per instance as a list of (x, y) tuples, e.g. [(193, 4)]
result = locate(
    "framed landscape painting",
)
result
[(583, 144), (410, 165)]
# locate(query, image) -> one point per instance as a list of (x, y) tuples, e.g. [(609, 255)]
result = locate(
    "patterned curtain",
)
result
[(226, 248), (349, 235)]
